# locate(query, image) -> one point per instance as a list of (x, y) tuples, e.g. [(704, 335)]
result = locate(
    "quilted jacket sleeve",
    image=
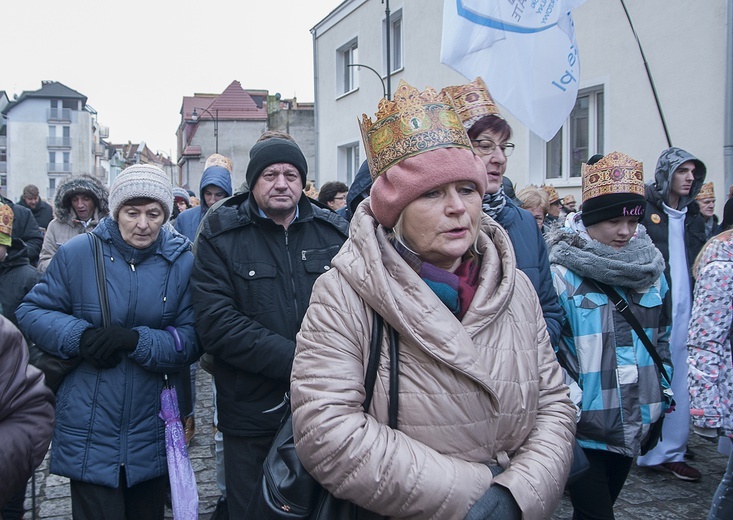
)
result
[(46, 314), (26, 413), (709, 346), (538, 471)]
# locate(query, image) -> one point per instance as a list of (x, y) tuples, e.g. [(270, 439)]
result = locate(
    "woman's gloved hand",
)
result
[(103, 348), (496, 504)]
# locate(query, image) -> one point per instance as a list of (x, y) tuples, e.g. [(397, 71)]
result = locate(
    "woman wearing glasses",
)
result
[(490, 134)]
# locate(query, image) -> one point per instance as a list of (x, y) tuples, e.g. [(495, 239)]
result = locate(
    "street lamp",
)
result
[(384, 89), (195, 118)]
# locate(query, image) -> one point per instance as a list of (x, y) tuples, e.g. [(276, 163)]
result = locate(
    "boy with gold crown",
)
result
[(617, 386)]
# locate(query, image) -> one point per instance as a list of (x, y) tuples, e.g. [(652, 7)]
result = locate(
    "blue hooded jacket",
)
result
[(187, 223)]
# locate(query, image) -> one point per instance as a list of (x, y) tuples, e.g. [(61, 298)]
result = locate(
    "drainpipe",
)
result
[(315, 106), (728, 120)]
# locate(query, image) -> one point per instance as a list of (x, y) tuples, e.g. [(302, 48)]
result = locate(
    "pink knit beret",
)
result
[(410, 178)]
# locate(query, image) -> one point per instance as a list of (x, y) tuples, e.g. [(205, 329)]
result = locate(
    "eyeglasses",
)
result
[(487, 147), (340, 197)]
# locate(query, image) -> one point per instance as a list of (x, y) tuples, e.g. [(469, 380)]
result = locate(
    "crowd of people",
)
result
[(524, 326)]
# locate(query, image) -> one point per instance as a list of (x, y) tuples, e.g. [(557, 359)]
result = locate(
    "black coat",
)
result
[(17, 278), (43, 212), (252, 282), (25, 228)]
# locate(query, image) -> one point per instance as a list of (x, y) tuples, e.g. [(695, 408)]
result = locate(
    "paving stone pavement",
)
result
[(647, 495)]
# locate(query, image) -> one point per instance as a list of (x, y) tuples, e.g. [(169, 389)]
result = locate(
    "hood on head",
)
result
[(82, 183), (359, 189), (668, 162), (219, 177)]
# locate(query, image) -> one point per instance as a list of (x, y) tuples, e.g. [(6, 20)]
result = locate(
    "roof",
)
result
[(234, 104), (48, 90)]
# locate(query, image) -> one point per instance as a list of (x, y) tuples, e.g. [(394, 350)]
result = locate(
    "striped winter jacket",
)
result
[(618, 378)]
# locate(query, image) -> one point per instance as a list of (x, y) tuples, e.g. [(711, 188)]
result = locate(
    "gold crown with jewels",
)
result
[(615, 173), (412, 123), (472, 102)]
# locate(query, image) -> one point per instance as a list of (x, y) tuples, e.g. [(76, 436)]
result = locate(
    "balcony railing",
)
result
[(3, 141), (59, 142), (59, 167), (3, 167), (98, 149), (59, 114)]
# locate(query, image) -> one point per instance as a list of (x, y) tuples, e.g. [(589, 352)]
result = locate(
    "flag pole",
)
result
[(649, 75)]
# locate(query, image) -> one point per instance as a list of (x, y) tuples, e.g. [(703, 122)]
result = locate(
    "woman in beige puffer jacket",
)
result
[(484, 391)]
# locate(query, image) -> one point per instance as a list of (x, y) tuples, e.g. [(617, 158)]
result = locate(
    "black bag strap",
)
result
[(101, 278), (370, 379), (623, 308)]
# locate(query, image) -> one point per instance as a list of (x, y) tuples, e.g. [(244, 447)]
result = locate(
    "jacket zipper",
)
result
[(292, 276)]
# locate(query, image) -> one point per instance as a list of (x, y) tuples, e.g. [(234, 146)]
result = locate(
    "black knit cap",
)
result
[(273, 151), (613, 205)]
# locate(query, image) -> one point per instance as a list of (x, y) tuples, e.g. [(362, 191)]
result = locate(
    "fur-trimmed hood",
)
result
[(77, 184)]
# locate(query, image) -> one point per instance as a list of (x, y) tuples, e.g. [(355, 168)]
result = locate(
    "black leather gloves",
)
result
[(104, 347)]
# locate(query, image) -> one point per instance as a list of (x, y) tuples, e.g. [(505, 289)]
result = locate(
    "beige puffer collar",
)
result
[(375, 270)]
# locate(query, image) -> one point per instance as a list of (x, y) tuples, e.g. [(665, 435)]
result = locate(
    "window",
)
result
[(348, 162), (395, 41), (347, 56), (580, 138)]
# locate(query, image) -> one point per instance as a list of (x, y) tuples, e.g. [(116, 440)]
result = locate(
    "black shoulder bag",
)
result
[(54, 368), (286, 491), (655, 431)]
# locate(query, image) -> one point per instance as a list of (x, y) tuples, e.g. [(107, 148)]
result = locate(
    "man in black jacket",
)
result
[(676, 227), (257, 257), (42, 210)]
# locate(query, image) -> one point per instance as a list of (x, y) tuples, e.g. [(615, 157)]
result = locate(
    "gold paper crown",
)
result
[(706, 192), (413, 123), (552, 195), (216, 159), (615, 173), (6, 224), (472, 102)]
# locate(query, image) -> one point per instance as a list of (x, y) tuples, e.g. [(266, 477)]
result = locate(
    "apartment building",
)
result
[(45, 136)]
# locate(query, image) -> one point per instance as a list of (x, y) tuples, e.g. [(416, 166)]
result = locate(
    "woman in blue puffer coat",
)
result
[(109, 439)]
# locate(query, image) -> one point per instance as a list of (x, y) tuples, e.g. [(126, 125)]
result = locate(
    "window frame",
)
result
[(347, 54), (594, 132), (348, 162), (395, 18)]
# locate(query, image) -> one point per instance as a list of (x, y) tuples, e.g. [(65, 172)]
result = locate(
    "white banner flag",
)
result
[(524, 50)]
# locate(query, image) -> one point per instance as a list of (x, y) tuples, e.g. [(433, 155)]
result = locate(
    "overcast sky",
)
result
[(135, 60)]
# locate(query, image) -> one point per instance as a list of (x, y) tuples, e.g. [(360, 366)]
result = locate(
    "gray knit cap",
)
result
[(141, 180)]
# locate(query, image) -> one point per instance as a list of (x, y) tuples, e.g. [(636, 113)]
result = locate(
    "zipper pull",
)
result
[(302, 255), (132, 266)]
